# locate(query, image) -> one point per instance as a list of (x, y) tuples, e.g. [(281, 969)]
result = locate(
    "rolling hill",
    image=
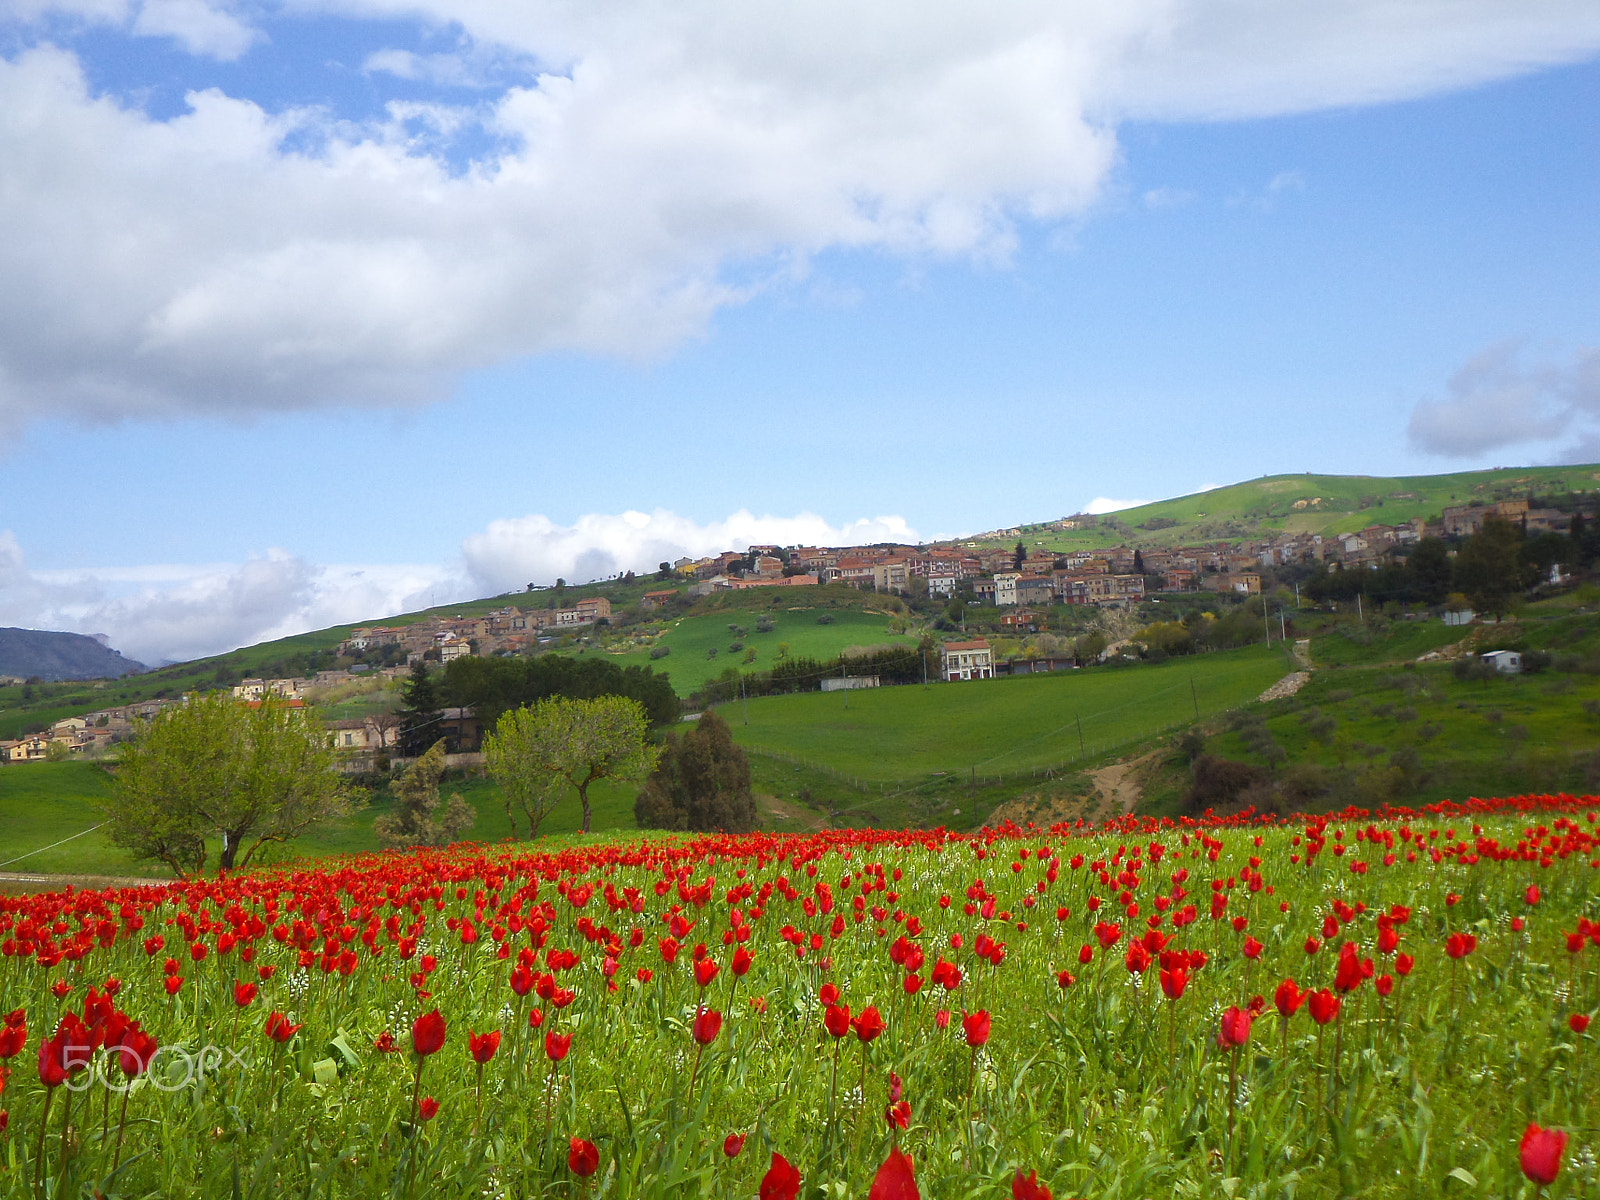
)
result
[(1325, 504)]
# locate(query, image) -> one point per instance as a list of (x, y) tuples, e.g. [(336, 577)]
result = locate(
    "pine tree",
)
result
[(420, 712), (701, 783), (416, 820)]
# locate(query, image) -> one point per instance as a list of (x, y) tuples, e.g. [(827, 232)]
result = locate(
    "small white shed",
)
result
[(1507, 662)]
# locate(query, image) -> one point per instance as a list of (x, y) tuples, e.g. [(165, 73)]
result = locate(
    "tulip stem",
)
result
[(66, 1119), (38, 1153), (1233, 1100), (699, 1049), (122, 1127), (416, 1126)]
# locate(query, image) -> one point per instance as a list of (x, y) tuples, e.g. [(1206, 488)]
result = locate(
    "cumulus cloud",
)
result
[(156, 614), (534, 549), (1495, 401), (662, 161), (1101, 505), (173, 612)]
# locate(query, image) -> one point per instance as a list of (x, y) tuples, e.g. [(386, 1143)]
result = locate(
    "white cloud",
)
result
[(1101, 505), (1494, 401), (1169, 197), (669, 160), (517, 551), (155, 614), (201, 28)]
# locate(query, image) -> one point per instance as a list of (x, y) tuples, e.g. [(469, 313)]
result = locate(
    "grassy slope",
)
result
[(999, 725), (41, 803), (690, 638), (1265, 506)]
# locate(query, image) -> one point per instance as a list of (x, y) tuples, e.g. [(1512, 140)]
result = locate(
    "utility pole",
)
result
[(1079, 719), (1194, 696), (1266, 619), (744, 696), (1359, 617), (1282, 636), (1297, 595)]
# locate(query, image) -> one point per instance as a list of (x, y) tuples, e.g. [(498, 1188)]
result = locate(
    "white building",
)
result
[(966, 660)]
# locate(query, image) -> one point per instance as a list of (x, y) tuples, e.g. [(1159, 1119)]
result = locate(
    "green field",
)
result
[(44, 803), (691, 639), (997, 726)]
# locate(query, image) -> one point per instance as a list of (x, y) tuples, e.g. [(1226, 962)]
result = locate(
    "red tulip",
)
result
[(781, 1182), (895, 1180), (244, 994), (1531, 896), (705, 971), (868, 1025), (427, 1108), (1541, 1153), (482, 1046), (829, 994), (1252, 948), (427, 1034), (732, 1144), (172, 983), (521, 980), (1403, 964), (13, 1034), (912, 984), (975, 1027), (898, 1114), (556, 1045), (742, 959), (837, 1019), (1578, 1022), (707, 1024), (135, 1051), (1029, 1188), (278, 1027), (1289, 998), (1384, 984), (1459, 945), (1235, 1027), (1324, 1006), (583, 1158), (1174, 981)]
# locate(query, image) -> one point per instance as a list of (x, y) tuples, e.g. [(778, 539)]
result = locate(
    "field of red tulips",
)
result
[(1369, 1004)]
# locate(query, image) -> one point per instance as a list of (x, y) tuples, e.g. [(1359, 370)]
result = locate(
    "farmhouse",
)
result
[(966, 660)]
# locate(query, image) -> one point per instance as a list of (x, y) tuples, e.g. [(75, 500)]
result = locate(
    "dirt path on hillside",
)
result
[(1121, 785), (23, 882)]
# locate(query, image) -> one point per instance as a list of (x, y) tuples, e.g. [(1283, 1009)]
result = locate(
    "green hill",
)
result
[(1325, 504)]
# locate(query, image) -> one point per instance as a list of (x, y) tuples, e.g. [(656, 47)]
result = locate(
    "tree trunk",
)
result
[(230, 849), (583, 795)]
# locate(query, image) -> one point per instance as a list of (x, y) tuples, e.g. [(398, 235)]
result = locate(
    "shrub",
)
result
[(660, 651), (1219, 781)]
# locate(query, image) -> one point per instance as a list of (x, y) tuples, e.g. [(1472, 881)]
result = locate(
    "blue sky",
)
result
[(304, 339)]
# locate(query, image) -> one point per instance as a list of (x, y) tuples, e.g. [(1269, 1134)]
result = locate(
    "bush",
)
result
[(825, 619), (1219, 781), (660, 651)]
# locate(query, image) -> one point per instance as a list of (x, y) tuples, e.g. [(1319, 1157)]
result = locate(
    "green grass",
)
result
[(1502, 736), (1001, 725), (43, 803), (1353, 644), (691, 638)]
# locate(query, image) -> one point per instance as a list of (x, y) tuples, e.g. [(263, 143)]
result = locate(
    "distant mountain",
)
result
[(56, 656)]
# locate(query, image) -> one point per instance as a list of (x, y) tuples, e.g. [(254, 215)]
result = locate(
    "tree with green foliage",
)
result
[(493, 686), (1019, 555), (702, 782), (215, 768), (1430, 570), (1489, 566), (419, 711), (536, 753), (416, 819)]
